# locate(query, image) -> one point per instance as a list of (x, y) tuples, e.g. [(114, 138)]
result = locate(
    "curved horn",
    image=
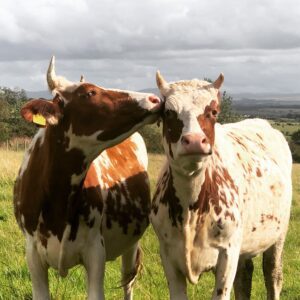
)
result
[(162, 84), (219, 81), (82, 79), (51, 76), (56, 82)]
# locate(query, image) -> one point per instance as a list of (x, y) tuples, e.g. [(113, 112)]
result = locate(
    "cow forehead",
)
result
[(84, 88), (190, 96)]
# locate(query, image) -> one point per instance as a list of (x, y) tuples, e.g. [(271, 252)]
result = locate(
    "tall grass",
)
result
[(151, 284)]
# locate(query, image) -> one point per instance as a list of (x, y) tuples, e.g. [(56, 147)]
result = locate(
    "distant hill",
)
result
[(266, 105), (266, 96), (39, 94)]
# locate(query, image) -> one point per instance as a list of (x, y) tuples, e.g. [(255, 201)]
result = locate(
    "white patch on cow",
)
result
[(88, 144), (253, 163), (141, 152), (77, 178), (64, 85), (23, 220), (39, 136)]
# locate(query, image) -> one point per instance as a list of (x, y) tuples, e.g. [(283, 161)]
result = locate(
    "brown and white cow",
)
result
[(223, 196), (72, 214)]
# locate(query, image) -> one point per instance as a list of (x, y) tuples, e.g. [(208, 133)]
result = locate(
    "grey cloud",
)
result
[(122, 43)]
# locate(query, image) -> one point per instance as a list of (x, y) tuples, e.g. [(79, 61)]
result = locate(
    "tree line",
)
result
[(11, 123), (13, 126)]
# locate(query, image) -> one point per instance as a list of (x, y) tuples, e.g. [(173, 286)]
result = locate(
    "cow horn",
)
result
[(219, 81), (82, 79), (56, 82), (162, 84), (51, 76)]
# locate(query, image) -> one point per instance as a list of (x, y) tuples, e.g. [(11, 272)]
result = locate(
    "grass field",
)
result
[(151, 284), (287, 128)]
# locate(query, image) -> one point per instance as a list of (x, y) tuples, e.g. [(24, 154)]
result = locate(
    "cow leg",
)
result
[(272, 268), (94, 263), (176, 280), (38, 272), (131, 261), (225, 273), (243, 279)]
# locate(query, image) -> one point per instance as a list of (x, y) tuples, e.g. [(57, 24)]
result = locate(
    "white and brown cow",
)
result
[(72, 213), (224, 194)]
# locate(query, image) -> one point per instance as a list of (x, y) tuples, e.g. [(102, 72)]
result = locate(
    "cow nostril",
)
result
[(204, 141), (154, 99)]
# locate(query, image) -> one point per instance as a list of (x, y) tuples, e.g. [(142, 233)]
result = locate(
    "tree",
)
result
[(11, 123), (296, 137), (227, 114)]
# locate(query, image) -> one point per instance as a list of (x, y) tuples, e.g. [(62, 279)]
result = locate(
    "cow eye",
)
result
[(91, 93), (214, 112)]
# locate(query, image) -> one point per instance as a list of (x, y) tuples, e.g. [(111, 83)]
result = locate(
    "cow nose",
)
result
[(154, 99), (195, 143)]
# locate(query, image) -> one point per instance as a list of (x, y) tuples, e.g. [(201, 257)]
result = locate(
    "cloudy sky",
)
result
[(121, 44)]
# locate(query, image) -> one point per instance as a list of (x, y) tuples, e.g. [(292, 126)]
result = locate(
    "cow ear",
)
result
[(42, 112)]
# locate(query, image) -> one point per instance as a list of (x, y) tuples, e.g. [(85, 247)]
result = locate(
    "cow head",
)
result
[(189, 117), (91, 115)]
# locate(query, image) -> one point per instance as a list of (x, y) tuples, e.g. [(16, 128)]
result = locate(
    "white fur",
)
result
[(190, 249), (40, 135)]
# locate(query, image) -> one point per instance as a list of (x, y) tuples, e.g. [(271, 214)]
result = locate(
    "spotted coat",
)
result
[(223, 196), (77, 201)]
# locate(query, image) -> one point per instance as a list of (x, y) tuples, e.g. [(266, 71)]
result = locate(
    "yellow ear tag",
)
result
[(39, 119)]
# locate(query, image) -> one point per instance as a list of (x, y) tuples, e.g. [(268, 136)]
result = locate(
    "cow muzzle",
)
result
[(154, 103), (195, 144)]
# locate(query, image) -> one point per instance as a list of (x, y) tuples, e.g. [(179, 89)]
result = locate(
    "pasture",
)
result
[(151, 284)]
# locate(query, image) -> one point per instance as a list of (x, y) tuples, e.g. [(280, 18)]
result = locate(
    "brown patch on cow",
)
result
[(268, 217), (258, 172), (229, 215), (172, 126), (259, 136), (253, 229), (51, 170), (238, 140), (123, 163), (239, 156), (219, 292), (169, 199), (100, 109), (211, 194), (162, 183), (207, 120), (136, 208), (217, 210)]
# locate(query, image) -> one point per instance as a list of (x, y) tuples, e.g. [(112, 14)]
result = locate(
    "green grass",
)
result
[(151, 284), (287, 128)]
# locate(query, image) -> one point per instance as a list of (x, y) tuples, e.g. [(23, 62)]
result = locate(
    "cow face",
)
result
[(92, 115), (189, 117)]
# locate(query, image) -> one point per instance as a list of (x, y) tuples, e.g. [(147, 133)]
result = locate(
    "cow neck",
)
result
[(191, 203), (61, 164), (188, 185)]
